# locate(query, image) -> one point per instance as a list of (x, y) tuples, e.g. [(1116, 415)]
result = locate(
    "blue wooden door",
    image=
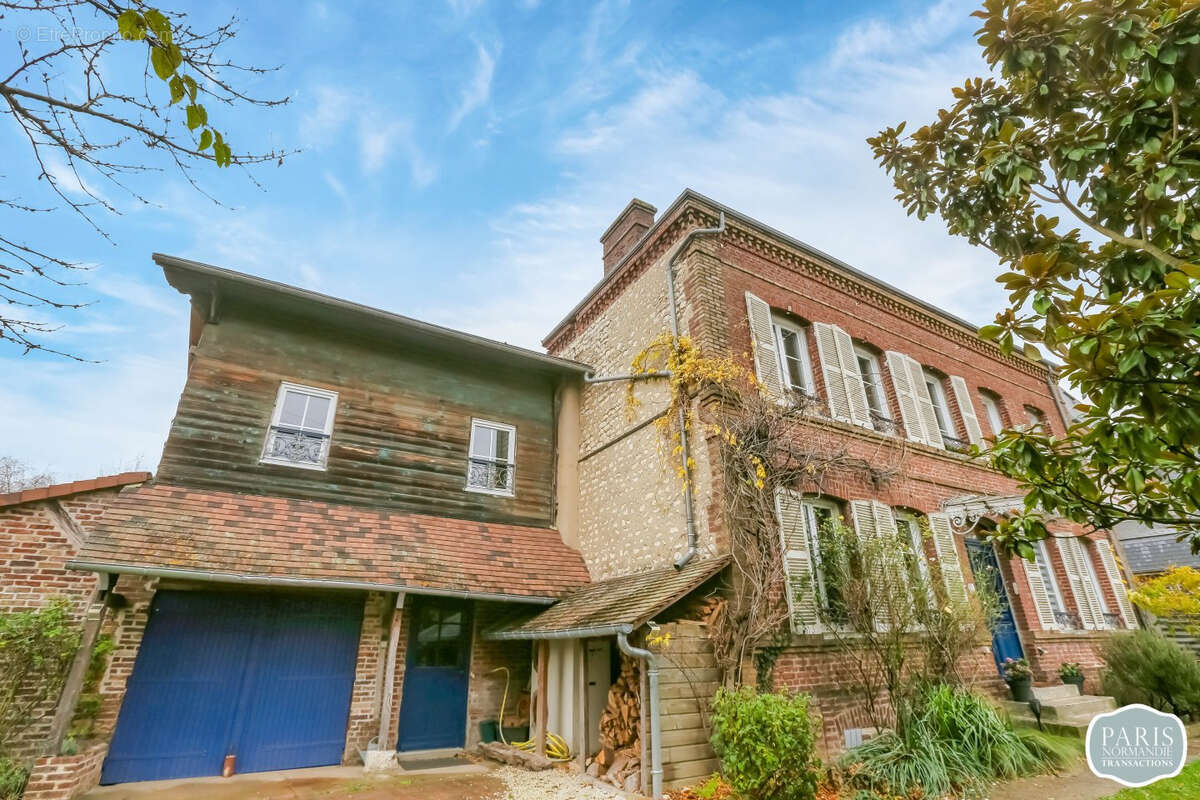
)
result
[(1006, 643), (433, 705), (264, 677)]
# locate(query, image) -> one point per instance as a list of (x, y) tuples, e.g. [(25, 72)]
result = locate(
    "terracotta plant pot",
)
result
[(1021, 689)]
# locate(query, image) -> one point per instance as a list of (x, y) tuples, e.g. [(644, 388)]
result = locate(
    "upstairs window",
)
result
[(792, 346), (1036, 419), (300, 427), (942, 411), (872, 380), (991, 407), (491, 464)]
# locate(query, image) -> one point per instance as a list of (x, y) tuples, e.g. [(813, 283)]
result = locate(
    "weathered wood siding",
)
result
[(400, 433)]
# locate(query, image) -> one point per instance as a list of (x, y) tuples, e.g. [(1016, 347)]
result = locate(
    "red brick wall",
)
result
[(65, 777), (822, 670), (487, 684), (363, 724), (126, 626), (36, 540)]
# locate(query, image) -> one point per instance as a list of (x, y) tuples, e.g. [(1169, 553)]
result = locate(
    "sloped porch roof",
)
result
[(172, 531), (617, 605)]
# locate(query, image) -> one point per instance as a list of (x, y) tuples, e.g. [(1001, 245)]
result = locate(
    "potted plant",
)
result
[(1019, 677), (1071, 673)]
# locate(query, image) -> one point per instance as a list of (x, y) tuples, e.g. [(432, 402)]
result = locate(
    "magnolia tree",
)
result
[(1076, 162)]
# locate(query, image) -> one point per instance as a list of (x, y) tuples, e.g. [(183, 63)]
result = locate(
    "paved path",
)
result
[(333, 783)]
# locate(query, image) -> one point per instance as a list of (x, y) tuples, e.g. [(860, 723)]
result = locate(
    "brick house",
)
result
[(364, 527), (347, 499), (888, 374)]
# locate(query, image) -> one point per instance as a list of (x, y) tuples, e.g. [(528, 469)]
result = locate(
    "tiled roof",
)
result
[(626, 602), (75, 487), (159, 529)]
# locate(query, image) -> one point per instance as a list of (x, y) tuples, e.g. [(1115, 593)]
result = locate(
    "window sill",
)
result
[(492, 492), (281, 462)]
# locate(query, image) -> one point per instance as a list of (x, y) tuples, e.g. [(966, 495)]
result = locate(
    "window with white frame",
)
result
[(821, 516), (300, 427), (942, 410), (914, 555), (1108, 619), (1045, 568), (491, 461), (792, 346), (1036, 418), (872, 378), (991, 407)]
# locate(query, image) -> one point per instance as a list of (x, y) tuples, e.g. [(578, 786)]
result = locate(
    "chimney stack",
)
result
[(625, 231)]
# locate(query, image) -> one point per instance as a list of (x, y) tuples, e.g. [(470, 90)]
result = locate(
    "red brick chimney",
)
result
[(625, 231)]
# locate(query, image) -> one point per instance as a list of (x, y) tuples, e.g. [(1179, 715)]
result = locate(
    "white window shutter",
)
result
[(831, 369), (962, 395), (895, 569), (1118, 585), (1081, 586), (801, 587), (910, 415), (856, 391), (929, 421), (1040, 594), (762, 342), (862, 514), (947, 556)]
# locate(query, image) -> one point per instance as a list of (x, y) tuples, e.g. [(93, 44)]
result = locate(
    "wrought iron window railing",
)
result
[(296, 446), (883, 423), (490, 474), (1112, 620), (1068, 621), (955, 444)]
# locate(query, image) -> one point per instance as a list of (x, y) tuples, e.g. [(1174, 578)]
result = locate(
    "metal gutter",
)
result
[(685, 449), (656, 765), (586, 632), (426, 328), (305, 583)]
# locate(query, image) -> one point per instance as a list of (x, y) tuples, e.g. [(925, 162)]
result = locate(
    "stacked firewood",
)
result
[(619, 761)]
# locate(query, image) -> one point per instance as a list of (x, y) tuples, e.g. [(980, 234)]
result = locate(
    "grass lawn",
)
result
[(1184, 785)]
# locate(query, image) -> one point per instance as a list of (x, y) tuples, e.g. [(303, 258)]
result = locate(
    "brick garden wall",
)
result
[(36, 540), (66, 777)]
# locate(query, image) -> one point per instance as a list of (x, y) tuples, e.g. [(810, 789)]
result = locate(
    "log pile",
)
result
[(619, 761)]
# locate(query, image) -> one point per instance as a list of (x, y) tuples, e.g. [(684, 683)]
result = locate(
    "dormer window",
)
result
[(491, 462), (300, 427)]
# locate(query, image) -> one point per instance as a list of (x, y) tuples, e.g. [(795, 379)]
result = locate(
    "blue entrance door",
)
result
[(1005, 641), (433, 705), (264, 677)]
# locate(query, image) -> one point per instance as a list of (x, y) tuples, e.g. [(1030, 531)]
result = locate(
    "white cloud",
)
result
[(479, 88), (78, 421), (464, 8), (796, 159), (380, 136)]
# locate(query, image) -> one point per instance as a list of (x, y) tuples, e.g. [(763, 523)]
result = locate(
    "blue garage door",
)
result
[(265, 677)]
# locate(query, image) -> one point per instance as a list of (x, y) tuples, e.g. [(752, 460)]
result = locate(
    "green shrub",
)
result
[(36, 650), (766, 744), (12, 779), (1146, 667), (956, 739)]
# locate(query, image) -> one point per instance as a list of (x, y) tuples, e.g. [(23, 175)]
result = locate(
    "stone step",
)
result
[(1084, 706), (1061, 692), (690, 770), (1077, 730)]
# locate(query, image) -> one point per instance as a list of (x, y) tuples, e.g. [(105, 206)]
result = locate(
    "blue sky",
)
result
[(458, 162)]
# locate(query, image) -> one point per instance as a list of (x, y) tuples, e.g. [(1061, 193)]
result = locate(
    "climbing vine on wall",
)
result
[(756, 446)]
